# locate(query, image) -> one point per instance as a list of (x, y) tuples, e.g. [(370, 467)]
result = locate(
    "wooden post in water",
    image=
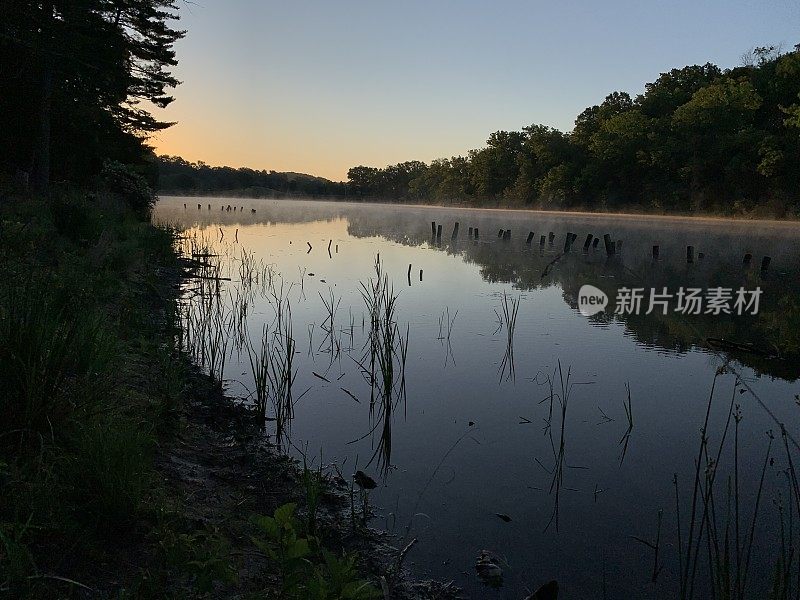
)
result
[(610, 249), (655, 251), (748, 258), (476, 233), (568, 242), (587, 242), (470, 232), (507, 235), (765, 263), (550, 237), (530, 238), (542, 240), (409, 275), (439, 232), (689, 254), (455, 231), (595, 242), (618, 246), (420, 274), (501, 233), (433, 228)]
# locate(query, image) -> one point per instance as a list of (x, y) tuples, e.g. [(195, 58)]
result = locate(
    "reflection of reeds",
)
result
[(626, 437), (446, 323), (331, 341), (508, 319), (281, 371), (655, 546), (383, 360), (559, 449)]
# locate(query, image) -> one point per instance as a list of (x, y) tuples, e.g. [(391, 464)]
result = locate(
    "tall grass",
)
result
[(53, 362), (259, 365), (719, 539), (88, 370)]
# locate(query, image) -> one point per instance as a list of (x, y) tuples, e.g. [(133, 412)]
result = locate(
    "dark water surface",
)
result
[(471, 439)]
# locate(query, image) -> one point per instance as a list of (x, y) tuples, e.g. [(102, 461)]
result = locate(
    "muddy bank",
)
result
[(224, 471)]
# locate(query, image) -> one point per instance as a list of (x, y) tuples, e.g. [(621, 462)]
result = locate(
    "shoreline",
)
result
[(146, 480), (678, 218)]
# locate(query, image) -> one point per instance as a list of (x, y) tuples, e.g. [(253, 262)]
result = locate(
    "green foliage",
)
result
[(308, 570), (80, 314), (203, 555), (698, 138), (313, 487), (132, 186)]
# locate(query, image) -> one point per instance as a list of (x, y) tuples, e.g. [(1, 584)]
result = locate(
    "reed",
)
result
[(508, 319), (724, 542), (383, 360), (259, 365), (626, 437)]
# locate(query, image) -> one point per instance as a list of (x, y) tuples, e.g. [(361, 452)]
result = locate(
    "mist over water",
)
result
[(489, 423)]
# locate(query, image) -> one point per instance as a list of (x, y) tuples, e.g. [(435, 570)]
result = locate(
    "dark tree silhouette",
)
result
[(77, 76)]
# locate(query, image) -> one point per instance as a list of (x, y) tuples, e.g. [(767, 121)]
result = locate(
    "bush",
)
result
[(123, 179)]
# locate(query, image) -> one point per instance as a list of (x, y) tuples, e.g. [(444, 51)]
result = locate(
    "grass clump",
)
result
[(88, 372)]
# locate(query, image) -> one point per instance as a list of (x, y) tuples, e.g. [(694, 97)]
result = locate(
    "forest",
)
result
[(177, 175), (699, 139)]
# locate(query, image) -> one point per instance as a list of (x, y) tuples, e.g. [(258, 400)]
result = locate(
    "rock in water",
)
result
[(364, 481), (488, 569)]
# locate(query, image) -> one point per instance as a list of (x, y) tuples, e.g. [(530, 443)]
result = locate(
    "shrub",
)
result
[(132, 186)]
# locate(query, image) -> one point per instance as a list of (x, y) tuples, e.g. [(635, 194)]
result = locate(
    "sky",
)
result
[(320, 86)]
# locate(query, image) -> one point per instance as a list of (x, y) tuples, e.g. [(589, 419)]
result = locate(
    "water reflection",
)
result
[(581, 471)]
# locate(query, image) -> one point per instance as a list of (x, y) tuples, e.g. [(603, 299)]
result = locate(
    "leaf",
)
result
[(268, 525), (299, 549), (284, 515)]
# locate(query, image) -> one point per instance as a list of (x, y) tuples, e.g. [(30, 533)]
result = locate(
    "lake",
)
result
[(512, 422)]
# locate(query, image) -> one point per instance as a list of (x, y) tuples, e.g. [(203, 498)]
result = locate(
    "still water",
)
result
[(488, 427)]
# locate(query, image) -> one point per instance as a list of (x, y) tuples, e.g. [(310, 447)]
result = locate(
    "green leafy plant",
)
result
[(202, 555), (308, 570)]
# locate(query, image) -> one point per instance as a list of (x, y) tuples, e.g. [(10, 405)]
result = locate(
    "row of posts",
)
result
[(612, 247)]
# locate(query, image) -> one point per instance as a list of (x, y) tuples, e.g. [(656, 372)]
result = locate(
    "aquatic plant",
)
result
[(508, 319)]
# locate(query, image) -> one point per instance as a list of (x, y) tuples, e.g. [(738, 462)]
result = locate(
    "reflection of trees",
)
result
[(776, 326), (776, 329)]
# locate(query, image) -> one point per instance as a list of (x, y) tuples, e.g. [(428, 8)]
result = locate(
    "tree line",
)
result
[(699, 139), (179, 176)]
